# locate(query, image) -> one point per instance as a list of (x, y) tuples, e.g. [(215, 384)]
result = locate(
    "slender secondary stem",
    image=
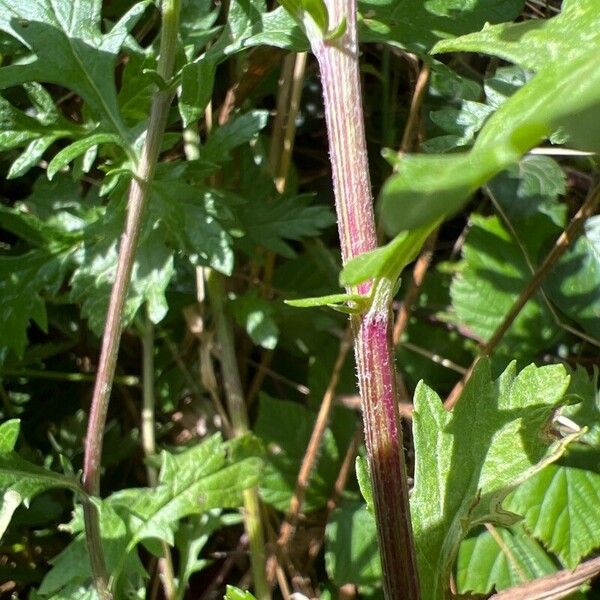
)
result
[(138, 196), (239, 421), (148, 431), (339, 67)]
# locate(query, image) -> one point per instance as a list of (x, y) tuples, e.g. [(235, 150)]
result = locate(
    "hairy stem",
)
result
[(138, 196), (338, 62), (239, 422)]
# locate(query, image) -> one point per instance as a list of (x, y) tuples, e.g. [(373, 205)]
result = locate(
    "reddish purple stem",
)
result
[(340, 77)]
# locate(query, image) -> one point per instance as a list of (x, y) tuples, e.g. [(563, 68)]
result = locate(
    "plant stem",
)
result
[(129, 380), (340, 77), (148, 431), (138, 196), (239, 422)]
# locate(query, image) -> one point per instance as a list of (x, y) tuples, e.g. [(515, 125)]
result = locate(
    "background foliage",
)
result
[(508, 126)]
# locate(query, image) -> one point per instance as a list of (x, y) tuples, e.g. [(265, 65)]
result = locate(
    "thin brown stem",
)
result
[(565, 239), (138, 195), (418, 277), (288, 526), (414, 115)]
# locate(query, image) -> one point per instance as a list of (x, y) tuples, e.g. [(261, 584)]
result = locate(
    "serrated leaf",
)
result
[(250, 24), (469, 459), (69, 49), (71, 576), (527, 195), (237, 131), (191, 223), (271, 223), (412, 198), (351, 551), (197, 82), (483, 565), (92, 280), (21, 480), (561, 504), (491, 276), (23, 280), (561, 509), (285, 428), (201, 478)]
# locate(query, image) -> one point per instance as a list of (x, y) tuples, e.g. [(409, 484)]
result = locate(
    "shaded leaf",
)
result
[(483, 565)]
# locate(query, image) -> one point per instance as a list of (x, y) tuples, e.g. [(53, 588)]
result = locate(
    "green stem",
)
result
[(138, 197), (129, 380), (148, 428), (239, 421)]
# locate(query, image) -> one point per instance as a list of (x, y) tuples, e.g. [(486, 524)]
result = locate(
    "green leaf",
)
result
[(412, 197), (23, 281), (71, 577), (364, 481), (483, 565), (351, 551), (36, 133), (270, 223), (92, 280), (285, 428), (388, 261), (72, 151), (193, 535), (21, 480), (234, 593), (236, 132), (535, 43), (318, 12), (199, 479), (197, 82), (561, 508), (349, 301), (210, 475), (191, 224), (490, 277), (561, 503), (574, 283), (256, 316), (471, 458), (527, 196), (417, 25), (69, 49), (461, 125), (250, 24)]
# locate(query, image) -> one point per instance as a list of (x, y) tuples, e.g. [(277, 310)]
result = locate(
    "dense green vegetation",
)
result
[(179, 409)]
